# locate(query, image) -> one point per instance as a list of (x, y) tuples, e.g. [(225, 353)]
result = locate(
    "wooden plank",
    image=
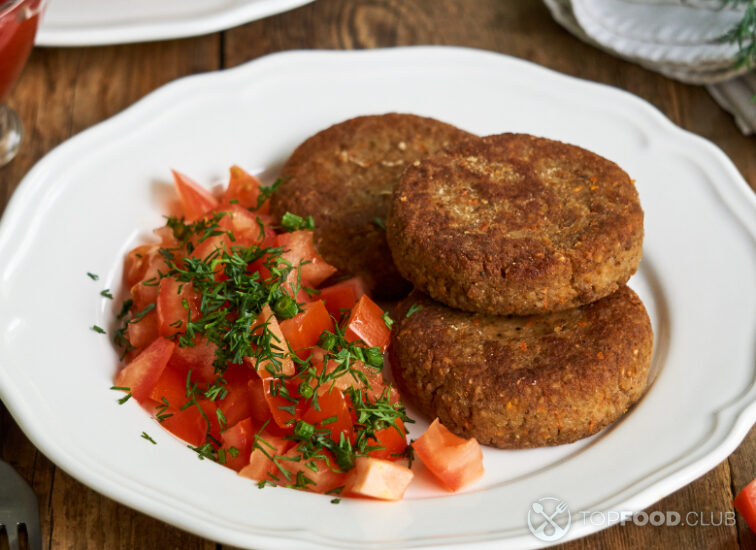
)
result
[(61, 92)]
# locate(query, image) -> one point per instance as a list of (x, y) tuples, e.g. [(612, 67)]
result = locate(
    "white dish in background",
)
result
[(663, 34), (99, 22), (83, 205)]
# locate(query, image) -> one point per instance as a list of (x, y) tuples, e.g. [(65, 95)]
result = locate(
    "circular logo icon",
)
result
[(549, 519)]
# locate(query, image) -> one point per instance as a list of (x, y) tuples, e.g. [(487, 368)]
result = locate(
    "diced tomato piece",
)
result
[(322, 480), (195, 199), (137, 262), (249, 228), (166, 236), (745, 503), (267, 445), (366, 323), (143, 332), (191, 426), (212, 248), (280, 406), (258, 404), (282, 362), (334, 415), (304, 329), (376, 478), (299, 248), (343, 295), (171, 312), (393, 442), (199, 358), (141, 375), (243, 188), (454, 461), (236, 404), (237, 440), (172, 386)]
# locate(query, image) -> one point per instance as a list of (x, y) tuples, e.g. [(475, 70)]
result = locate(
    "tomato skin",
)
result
[(195, 199), (332, 404), (745, 503), (243, 188), (394, 443), (376, 478), (304, 329), (366, 323), (141, 375), (454, 461), (170, 306), (299, 248), (240, 436), (259, 464), (343, 295)]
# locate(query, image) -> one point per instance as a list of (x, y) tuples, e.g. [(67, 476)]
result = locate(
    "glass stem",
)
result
[(11, 132)]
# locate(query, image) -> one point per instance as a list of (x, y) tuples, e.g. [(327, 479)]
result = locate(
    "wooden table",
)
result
[(64, 91)]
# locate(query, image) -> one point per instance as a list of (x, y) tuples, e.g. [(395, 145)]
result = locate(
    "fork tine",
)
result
[(12, 532), (33, 534)]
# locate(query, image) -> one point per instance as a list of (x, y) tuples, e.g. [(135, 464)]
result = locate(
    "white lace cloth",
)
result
[(677, 38)]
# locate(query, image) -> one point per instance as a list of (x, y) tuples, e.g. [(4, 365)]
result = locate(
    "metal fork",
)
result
[(18, 506)]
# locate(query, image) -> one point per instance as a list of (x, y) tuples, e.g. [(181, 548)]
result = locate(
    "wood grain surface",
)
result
[(63, 91)]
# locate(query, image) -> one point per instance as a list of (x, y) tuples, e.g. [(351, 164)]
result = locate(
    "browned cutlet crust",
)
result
[(344, 176), (515, 224), (518, 382)]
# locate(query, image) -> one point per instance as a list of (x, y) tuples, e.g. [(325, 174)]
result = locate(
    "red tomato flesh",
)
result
[(266, 367), (195, 199), (199, 358), (393, 442), (141, 375), (243, 188), (745, 503), (334, 415), (260, 464), (190, 424), (454, 461), (236, 404), (366, 323), (299, 248), (171, 313), (304, 329), (238, 440), (143, 332), (322, 480), (172, 386), (343, 295), (376, 478)]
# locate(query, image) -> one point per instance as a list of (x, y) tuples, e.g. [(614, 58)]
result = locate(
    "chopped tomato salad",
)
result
[(247, 345)]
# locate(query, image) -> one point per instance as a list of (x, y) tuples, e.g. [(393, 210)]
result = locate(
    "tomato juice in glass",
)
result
[(19, 20), (18, 25)]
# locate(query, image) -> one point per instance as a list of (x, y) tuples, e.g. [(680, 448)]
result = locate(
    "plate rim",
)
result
[(132, 32), (736, 196)]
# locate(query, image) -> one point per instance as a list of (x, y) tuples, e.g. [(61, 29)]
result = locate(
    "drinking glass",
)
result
[(19, 20)]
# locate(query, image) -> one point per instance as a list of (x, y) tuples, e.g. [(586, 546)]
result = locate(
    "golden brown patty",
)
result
[(515, 224), (343, 177), (516, 382)]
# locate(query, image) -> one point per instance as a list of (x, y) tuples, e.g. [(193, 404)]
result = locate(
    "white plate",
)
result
[(98, 22), (93, 197), (669, 34)]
